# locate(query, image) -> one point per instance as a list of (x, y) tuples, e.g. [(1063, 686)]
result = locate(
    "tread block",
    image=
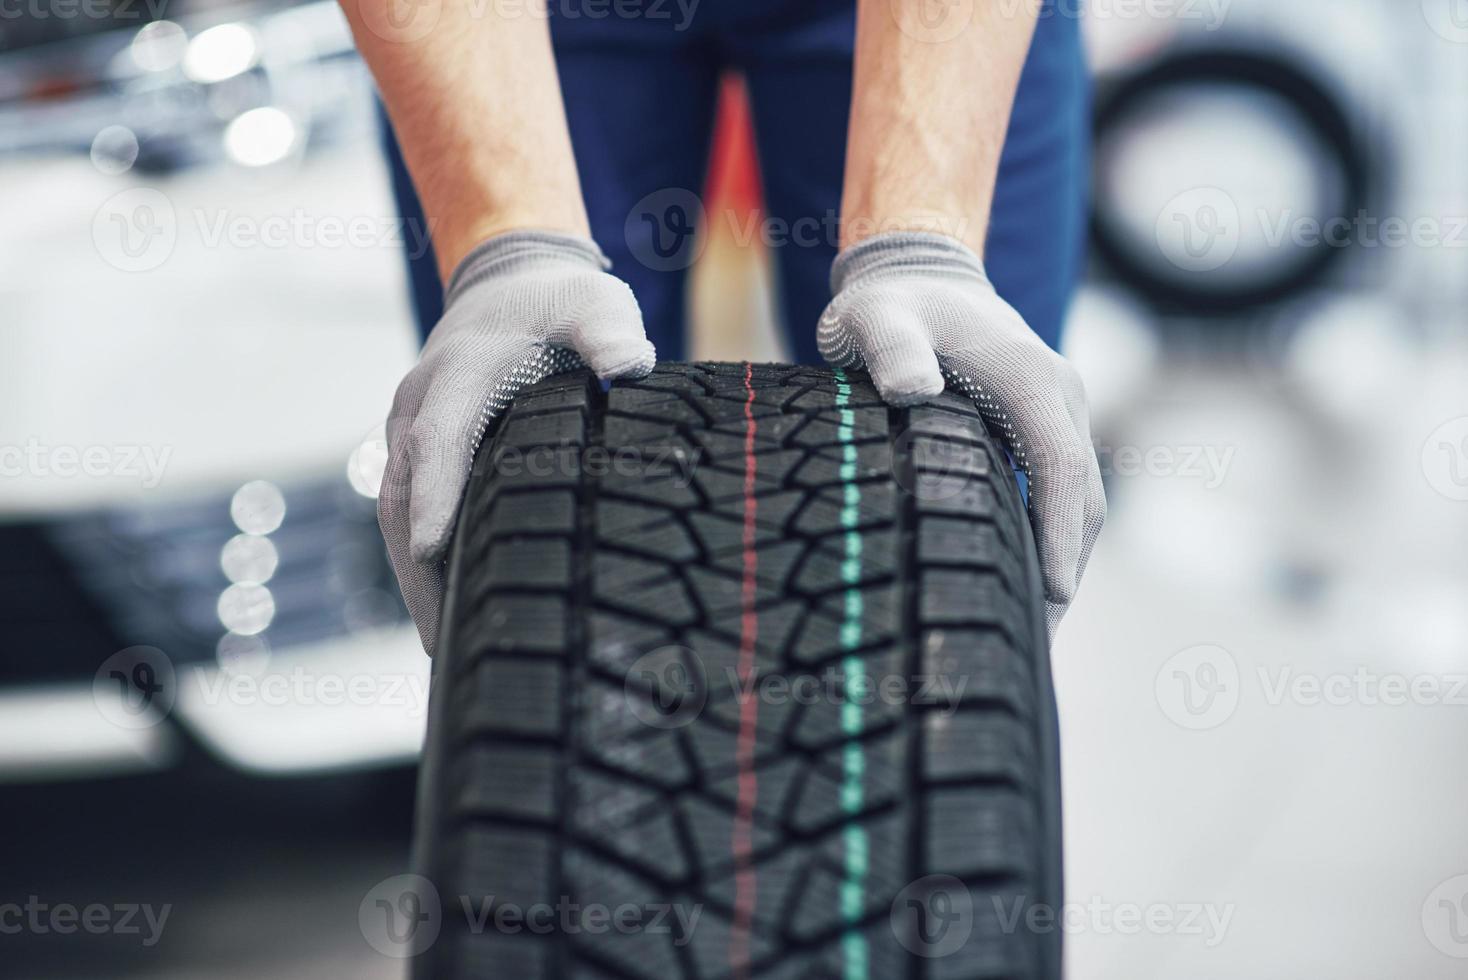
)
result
[(779, 879), (974, 745), (996, 948), (564, 427), (877, 701), (510, 697), (571, 764), (509, 623), (955, 541), (823, 467), (774, 567), (710, 952), (948, 426), (822, 802), (827, 961), (543, 512), (963, 597), (522, 562), (935, 494), (667, 602), (496, 953), (712, 742), (551, 395), (496, 863), (965, 666), (636, 951), (779, 784), (828, 567), (624, 746), (664, 489), (820, 909), (653, 531), (979, 831), (505, 779), (617, 641), (723, 533), (629, 820), (615, 575), (826, 512)]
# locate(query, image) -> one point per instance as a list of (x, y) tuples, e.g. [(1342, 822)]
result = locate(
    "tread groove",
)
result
[(636, 563)]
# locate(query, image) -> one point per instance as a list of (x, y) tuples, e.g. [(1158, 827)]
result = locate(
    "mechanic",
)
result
[(949, 135)]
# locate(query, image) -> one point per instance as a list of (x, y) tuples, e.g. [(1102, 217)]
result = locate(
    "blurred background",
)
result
[(210, 699)]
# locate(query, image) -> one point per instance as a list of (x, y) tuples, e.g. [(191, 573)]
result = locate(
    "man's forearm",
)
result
[(929, 114), (476, 104)]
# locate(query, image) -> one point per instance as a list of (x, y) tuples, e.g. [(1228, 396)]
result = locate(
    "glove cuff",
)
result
[(904, 252), (512, 249)]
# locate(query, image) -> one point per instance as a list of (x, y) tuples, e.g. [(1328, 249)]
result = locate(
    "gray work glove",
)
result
[(915, 308), (519, 307)]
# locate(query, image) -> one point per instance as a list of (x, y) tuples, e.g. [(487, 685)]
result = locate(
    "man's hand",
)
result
[(476, 104), (929, 114), (519, 307), (916, 309)]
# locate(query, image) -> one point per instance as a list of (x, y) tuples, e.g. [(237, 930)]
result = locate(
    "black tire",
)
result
[(598, 531), (1321, 118)]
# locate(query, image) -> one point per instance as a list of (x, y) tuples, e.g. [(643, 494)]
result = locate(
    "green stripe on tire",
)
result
[(855, 956)]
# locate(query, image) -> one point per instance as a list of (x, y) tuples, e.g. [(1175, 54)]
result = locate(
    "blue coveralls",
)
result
[(640, 96)]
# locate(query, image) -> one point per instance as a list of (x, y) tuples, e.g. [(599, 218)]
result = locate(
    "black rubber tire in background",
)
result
[(582, 748)]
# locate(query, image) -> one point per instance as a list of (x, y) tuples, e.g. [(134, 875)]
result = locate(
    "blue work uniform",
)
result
[(640, 95)]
